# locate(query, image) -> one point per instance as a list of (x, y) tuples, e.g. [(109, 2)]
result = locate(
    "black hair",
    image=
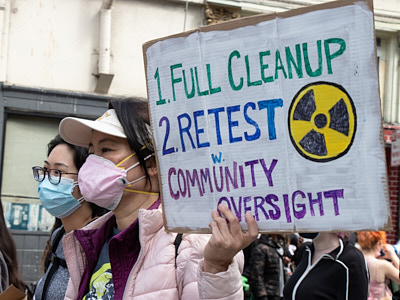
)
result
[(79, 157), (293, 239), (79, 153), (46, 256), (133, 114)]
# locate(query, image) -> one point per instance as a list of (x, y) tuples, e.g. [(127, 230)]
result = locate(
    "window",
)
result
[(388, 59), (26, 139)]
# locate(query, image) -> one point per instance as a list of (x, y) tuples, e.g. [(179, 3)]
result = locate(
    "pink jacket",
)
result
[(154, 275)]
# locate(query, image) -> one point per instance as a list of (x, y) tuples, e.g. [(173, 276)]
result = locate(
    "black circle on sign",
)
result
[(320, 120)]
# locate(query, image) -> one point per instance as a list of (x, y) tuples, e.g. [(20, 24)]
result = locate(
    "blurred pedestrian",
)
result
[(268, 260), (247, 270), (383, 263), (331, 268)]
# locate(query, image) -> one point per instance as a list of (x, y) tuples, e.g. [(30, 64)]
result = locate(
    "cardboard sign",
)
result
[(277, 115), (12, 293)]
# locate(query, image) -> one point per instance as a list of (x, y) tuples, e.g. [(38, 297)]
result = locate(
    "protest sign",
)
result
[(277, 115)]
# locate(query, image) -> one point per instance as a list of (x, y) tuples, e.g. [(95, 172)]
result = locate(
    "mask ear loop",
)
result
[(141, 192), (81, 199), (125, 159), (133, 154), (140, 178), (136, 180), (138, 163)]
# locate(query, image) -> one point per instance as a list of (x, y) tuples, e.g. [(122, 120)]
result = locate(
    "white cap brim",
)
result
[(79, 131)]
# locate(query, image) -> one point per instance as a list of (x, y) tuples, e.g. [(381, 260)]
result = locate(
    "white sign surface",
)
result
[(280, 118)]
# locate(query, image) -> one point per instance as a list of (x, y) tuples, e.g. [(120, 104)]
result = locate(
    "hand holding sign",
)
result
[(227, 239)]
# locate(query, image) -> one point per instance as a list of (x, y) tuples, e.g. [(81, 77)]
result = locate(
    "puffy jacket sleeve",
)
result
[(190, 253), (223, 285), (194, 283)]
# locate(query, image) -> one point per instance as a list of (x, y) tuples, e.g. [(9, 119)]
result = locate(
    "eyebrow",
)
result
[(56, 164), (107, 139)]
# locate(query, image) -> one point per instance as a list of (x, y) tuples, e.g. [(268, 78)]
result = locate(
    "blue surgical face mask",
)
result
[(57, 199)]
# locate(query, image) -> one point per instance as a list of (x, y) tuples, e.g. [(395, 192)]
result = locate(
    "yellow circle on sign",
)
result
[(322, 121)]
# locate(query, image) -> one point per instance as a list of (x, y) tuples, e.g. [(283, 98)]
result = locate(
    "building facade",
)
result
[(67, 58)]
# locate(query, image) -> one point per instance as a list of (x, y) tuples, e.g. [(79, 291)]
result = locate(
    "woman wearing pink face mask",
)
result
[(127, 253)]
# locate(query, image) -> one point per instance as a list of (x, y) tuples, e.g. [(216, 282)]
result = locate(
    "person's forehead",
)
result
[(61, 155), (101, 138)]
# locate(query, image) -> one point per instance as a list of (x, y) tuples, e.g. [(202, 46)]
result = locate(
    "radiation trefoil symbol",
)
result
[(322, 121)]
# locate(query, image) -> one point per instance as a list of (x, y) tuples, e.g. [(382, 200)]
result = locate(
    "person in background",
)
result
[(247, 270), (8, 259), (127, 254), (352, 237), (331, 268), (60, 196), (383, 263), (301, 246), (294, 243), (268, 260)]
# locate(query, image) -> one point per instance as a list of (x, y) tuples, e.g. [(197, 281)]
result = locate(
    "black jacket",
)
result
[(265, 267), (341, 274)]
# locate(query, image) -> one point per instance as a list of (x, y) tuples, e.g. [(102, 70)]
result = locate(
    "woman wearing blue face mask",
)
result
[(60, 195), (127, 254)]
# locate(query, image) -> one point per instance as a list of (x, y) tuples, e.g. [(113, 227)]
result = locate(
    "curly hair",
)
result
[(368, 239)]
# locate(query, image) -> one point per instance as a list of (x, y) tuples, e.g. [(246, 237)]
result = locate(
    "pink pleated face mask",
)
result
[(102, 182)]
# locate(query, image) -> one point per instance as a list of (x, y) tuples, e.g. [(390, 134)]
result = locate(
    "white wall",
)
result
[(392, 6), (136, 24), (54, 44)]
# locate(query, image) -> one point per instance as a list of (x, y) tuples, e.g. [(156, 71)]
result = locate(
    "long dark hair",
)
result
[(46, 256), (133, 114), (79, 157), (7, 248)]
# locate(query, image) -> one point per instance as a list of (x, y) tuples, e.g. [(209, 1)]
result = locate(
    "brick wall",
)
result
[(30, 246), (393, 181), (394, 184)]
